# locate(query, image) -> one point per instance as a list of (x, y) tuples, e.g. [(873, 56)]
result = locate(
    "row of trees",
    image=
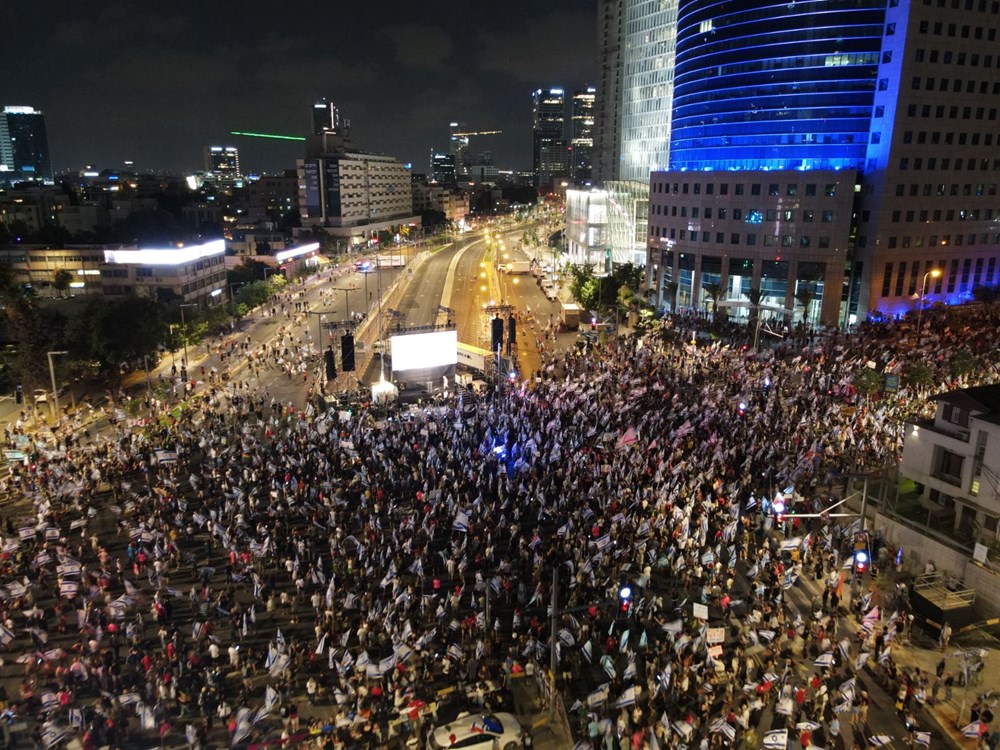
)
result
[(105, 336)]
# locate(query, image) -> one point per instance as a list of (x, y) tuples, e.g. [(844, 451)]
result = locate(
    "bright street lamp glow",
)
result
[(625, 592)]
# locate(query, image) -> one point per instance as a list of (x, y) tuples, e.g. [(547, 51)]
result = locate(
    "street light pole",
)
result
[(184, 330), (55, 391), (935, 273), (347, 291)]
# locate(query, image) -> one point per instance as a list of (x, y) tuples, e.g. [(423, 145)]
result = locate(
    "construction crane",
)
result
[(477, 132)]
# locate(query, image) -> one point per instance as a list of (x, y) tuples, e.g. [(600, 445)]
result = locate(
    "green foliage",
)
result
[(247, 273), (61, 280), (605, 292), (127, 329), (918, 374), (962, 363), (36, 330), (986, 293), (868, 381)]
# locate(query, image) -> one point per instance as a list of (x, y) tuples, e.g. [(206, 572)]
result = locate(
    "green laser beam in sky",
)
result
[(268, 135)]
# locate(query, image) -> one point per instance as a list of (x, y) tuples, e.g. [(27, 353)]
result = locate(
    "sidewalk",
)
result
[(547, 732)]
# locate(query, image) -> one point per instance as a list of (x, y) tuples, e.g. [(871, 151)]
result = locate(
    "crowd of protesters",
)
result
[(205, 573)]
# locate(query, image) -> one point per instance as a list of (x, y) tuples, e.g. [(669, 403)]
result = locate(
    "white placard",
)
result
[(700, 611)]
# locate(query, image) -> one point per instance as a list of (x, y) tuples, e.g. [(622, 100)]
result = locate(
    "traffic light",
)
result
[(511, 330), (347, 352), (331, 367), (862, 556), (496, 338), (19, 395)]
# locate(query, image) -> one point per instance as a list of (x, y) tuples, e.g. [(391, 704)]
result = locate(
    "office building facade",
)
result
[(223, 161), (549, 147), (443, 168), (582, 135), (349, 193), (894, 107), (24, 147)]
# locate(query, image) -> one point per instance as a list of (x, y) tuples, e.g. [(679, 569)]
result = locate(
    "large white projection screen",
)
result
[(422, 351)]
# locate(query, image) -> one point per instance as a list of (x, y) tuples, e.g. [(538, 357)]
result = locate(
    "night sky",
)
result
[(155, 82)]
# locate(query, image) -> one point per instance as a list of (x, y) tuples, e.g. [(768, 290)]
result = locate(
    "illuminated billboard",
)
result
[(424, 351)]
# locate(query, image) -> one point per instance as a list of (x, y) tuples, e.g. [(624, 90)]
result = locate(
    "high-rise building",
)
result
[(459, 149), (351, 193), (582, 134), (24, 146), (632, 123), (549, 158), (764, 89), (636, 40), (443, 168), (326, 118), (839, 159), (223, 162)]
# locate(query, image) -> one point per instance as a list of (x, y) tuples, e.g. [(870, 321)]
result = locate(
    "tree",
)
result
[(128, 329), (61, 280), (36, 330), (755, 295), (986, 293), (804, 296), (918, 375), (714, 291), (868, 381), (670, 288), (962, 363)]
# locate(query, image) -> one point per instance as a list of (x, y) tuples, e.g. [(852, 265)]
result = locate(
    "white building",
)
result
[(351, 193), (955, 459), (586, 221), (195, 273)]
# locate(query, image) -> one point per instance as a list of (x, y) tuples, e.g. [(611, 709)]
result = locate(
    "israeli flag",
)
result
[(775, 740), (461, 522), (880, 740), (973, 729), (825, 661), (627, 698), (922, 738)]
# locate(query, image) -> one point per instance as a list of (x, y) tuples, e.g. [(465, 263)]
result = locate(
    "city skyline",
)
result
[(203, 71)]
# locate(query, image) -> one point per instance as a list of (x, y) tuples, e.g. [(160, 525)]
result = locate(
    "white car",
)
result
[(489, 732)]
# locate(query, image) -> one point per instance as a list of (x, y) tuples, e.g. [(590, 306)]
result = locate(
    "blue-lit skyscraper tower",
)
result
[(836, 157), (775, 85)]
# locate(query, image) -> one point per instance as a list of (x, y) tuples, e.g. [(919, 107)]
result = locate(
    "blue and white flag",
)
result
[(825, 660), (975, 729), (880, 740), (627, 698), (776, 740), (603, 542), (461, 522), (922, 738)]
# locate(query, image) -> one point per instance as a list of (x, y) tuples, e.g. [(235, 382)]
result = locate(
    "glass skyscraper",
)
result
[(549, 156), (775, 85), (24, 146)]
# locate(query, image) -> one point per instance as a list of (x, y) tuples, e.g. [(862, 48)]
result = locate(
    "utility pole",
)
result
[(348, 294), (55, 391), (184, 330)]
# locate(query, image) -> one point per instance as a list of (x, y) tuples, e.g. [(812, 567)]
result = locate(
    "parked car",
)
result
[(490, 732)]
